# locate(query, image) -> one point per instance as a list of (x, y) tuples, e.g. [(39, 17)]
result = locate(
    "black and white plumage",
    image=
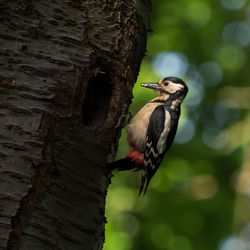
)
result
[(151, 132)]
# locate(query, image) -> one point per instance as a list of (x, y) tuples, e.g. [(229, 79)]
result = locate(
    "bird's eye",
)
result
[(166, 83)]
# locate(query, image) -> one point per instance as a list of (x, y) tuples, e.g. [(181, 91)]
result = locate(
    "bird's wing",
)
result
[(157, 133)]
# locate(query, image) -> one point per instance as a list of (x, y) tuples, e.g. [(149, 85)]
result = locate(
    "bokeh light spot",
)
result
[(233, 243), (198, 14), (160, 184), (161, 234), (195, 93), (226, 112), (231, 58), (178, 172), (211, 73), (203, 187), (243, 34), (233, 4), (179, 242), (129, 224), (229, 33), (236, 33), (214, 137), (122, 198), (245, 232), (242, 185), (170, 64), (185, 131)]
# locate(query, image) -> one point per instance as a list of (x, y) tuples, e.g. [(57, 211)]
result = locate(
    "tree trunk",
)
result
[(67, 69)]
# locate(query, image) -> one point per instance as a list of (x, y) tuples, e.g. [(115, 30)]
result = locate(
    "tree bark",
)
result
[(67, 69)]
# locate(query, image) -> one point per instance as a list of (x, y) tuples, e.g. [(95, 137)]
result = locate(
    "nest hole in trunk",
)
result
[(97, 98)]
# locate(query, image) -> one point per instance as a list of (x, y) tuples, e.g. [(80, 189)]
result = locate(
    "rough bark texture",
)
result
[(67, 69)]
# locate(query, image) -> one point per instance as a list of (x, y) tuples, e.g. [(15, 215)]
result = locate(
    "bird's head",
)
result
[(168, 86)]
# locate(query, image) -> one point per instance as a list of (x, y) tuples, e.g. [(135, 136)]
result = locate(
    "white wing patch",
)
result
[(161, 145)]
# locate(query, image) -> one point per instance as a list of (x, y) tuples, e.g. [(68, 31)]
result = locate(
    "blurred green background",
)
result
[(200, 197)]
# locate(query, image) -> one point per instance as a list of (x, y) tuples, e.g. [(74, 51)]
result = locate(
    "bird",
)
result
[(152, 130)]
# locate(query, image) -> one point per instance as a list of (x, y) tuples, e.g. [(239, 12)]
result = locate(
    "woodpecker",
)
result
[(151, 132)]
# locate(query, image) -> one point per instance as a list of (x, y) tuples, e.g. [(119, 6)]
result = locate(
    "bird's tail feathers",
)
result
[(145, 180)]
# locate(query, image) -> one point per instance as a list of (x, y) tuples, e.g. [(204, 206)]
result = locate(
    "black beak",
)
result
[(151, 85)]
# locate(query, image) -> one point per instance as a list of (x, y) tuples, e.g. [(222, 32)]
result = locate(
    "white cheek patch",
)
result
[(173, 87)]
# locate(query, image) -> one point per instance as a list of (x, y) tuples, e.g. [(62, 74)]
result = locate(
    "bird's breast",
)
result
[(137, 129)]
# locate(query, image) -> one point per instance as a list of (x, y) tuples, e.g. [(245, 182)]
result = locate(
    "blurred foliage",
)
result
[(199, 198)]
